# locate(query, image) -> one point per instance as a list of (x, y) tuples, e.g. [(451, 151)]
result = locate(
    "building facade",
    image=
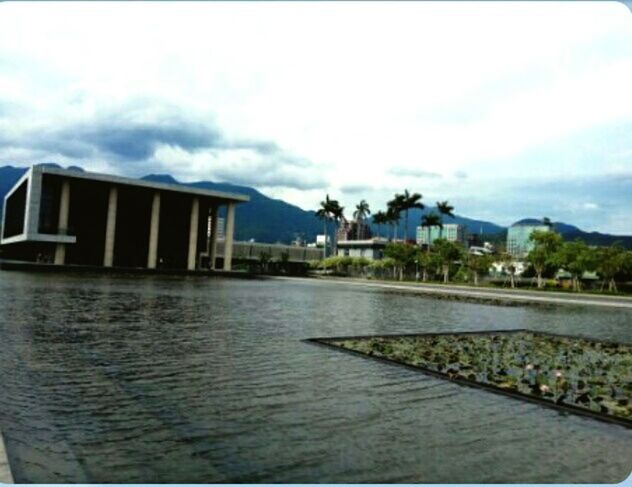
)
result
[(69, 217), (452, 232), (518, 243)]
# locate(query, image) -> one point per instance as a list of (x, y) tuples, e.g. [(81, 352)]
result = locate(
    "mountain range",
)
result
[(272, 220)]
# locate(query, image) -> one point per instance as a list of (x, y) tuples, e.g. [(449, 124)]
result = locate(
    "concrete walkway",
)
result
[(5, 469), (508, 295)]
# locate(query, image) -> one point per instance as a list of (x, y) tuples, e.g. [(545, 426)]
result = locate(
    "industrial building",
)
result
[(70, 217)]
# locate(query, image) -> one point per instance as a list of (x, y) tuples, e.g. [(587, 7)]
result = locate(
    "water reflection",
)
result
[(171, 379)]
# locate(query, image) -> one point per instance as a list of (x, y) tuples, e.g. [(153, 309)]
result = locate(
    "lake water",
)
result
[(191, 379)]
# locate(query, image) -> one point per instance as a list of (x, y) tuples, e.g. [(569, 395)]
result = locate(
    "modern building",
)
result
[(518, 243), (372, 249), (64, 216), (452, 232)]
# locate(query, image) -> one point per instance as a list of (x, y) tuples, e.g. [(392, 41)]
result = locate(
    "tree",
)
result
[(392, 216), (425, 261), (478, 264), (362, 211), (408, 202), (626, 271), (447, 253), (378, 266), (395, 208), (444, 209), (610, 262), (337, 213), (431, 220), (509, 265), (325, 213), (360, 214), (576, 257), (546, 244), (380, 218), (403, 254)]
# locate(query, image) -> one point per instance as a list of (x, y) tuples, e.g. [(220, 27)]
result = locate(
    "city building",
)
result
[(452, 232), (69, 217), (372, 249), (518, 243)]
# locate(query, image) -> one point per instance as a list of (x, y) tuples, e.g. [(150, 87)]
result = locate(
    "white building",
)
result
[(372, 249), (320, 240), (452, 232)]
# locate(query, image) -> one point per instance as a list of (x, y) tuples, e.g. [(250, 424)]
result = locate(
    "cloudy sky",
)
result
[(506, 110)]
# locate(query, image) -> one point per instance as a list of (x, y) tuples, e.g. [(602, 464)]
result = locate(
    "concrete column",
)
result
[(153, 232), (33, 200), (193, 234), (228, 237), (62, 225), (213, 243), (110, 228)]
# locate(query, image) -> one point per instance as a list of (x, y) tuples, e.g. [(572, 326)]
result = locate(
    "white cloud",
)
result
[(368, 94)]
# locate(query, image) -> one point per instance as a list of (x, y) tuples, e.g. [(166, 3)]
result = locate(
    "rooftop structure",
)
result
[(65, 216)]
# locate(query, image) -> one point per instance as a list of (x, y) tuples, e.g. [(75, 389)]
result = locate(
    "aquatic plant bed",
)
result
[(571, 373)]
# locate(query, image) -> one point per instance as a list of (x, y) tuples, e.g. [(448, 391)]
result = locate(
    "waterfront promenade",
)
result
[(513, 296)]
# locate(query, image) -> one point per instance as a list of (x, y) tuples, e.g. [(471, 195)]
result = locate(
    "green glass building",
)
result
[(518, 243)]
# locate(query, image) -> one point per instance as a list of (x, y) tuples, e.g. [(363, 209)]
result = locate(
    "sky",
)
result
[(507, 110)]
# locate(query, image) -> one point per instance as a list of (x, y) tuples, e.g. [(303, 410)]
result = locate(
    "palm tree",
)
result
[(362, 211), (337, 212), (392, 217), (380, 218), (325, 213), (509, 266), (410, 201), (395, 208), (444, 209), (431, 220)]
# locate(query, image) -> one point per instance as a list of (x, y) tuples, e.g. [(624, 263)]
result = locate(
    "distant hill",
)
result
[(272, 220), (9, 175), (472, 225), (571, 232), (262, 218)]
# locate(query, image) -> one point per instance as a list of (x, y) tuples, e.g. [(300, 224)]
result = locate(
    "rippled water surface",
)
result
[(186, 379)]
